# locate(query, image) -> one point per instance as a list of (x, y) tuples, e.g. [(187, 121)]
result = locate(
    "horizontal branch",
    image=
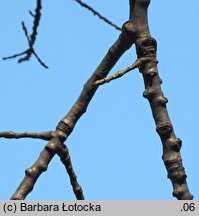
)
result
[(15, 55), (13, 135)]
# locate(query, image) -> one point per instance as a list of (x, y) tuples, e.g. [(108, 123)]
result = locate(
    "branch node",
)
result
[(64, 127), (162, 100), (164, 128), (149, 92)]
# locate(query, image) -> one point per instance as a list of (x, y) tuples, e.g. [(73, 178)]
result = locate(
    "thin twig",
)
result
[(36, 21), (98, 14), (25, 31), (13, 135), (31, 13), (16, 55), (120, 73), (31, 39), (39, 60)]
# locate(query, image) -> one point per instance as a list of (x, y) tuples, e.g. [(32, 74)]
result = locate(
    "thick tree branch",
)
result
[(33, 173), (123, 43), (66, 125), (53, 147), (146, 47)]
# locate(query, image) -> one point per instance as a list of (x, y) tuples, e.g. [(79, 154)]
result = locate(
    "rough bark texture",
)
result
[(146, 47), (135, 30), (66, 125)]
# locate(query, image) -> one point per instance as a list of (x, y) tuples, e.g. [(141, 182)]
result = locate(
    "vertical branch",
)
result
[(146, 47)]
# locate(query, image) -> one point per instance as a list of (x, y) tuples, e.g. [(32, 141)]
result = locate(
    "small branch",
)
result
[(31, 39), (37, 18), (13, 135), (64, 155), (14, 56), (98, 14), (39, 60), (31, 13), (120, 73), (25, 31)]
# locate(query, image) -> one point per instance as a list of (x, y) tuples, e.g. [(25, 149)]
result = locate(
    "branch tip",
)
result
[(98, 14)]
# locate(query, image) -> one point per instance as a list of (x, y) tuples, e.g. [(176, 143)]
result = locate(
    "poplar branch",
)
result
[(98, 14), (146, 46)]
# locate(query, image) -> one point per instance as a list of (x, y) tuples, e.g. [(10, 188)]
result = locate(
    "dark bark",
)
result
[(146, 47), (32, 38), (66, 125), (135, 30)]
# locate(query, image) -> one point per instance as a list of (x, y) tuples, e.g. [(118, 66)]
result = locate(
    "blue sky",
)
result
[(115, 149)]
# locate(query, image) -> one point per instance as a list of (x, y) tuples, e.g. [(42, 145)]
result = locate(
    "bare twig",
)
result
[(36, 21), (120, 73), (64, 155), (146, 46), (16, 55), (66, 124), (13, 135), (25, 31), (31, 39), (39, 60), (98, 14)]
